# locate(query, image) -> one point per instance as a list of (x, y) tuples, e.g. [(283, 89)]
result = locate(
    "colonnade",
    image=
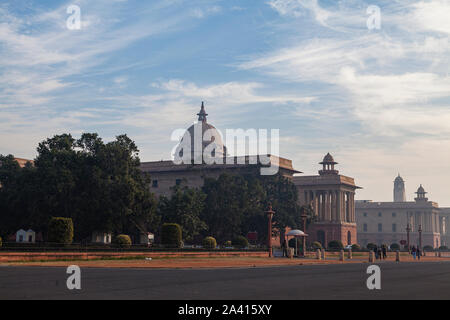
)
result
[(332, 205)]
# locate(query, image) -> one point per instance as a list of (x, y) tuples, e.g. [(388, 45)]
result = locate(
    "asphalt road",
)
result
[(348, 281)]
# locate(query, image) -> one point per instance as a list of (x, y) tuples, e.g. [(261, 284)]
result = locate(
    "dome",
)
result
[(200, 139), (328, 159), (296, 233), (421, 190)]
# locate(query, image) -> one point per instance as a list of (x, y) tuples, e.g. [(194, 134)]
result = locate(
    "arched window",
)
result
[(349, 238)]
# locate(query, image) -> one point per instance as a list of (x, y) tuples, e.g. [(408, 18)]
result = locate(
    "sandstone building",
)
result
[(386, 222)]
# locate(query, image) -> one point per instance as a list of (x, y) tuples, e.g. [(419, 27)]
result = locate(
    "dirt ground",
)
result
[(227, 262)]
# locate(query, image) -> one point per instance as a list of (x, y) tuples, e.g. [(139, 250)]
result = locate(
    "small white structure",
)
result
[(26, 236), (146, 238), (101, 237)]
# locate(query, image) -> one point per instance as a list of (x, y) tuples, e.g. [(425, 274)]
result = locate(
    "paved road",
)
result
[(399, 281)]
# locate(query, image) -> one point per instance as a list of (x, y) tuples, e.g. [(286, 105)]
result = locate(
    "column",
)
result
[(333, 205), (338, 206)]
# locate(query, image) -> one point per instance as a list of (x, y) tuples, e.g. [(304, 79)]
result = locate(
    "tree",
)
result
[(184, 208)]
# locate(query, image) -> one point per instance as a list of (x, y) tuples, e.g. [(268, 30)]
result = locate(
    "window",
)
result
[(380, 227), (365, 227), (155, 183), (178, 182), (379, 214), (365, 214), (394, 227), (394, 214)]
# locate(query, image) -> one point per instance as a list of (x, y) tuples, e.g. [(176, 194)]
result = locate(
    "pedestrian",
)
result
[(375, 250), (384, 252), (419, 252), (414, 252), (380, 254), (284, 246)]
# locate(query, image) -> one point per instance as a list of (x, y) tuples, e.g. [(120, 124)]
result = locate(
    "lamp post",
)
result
[(408, 230), (304, 216), (270, 214), (420, 236)]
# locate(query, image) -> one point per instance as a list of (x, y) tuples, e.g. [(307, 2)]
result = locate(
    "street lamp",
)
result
[(408, 230), (420, 236), (304, 216), (270, 214)]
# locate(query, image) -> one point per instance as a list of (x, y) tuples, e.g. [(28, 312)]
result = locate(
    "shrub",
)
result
[(395, 246), (123, 241), (356, 247), (316, 245), (227, 243), (240, 242), (335, 245), (209, 243), (171, 235), (1, 243), (428, 248), (443, 248), (371, 246), (60, 230)]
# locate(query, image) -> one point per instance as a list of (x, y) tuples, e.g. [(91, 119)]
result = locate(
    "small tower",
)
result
[(421, 195), (399, 189), (328, 165)]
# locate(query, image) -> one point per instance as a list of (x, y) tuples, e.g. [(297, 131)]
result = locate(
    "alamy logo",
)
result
[(74, 280), (74, 20), (374, 281)]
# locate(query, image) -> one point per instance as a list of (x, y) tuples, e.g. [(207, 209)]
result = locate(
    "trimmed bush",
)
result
[(395, 246), (209, 243), (1, 243), (60, 230), (227, 243), (335, 245), (443, 248), (240, 242), (171, 235), (122, 241), (316, 245), (371, 246), (356, 247), (428, 248)]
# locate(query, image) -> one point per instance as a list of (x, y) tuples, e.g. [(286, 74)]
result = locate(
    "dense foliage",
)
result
[(316, 245), (240, 242), (60, 230), (122, 241), (356, 247), (395, 246), (171, 235), (335, 245), (98, 185), (209, 243)]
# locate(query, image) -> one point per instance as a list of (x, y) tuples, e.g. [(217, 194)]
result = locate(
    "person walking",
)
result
[(414, 252), (419, 252), (380, 254), (384, 249), (375, 251), (284, 246)]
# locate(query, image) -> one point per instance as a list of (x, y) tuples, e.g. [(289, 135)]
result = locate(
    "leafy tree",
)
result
[(60, 230), (184, 208), (171, 235)]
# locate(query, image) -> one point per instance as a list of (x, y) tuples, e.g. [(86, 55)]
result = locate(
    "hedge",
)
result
[(240, 242), (443, 248), (209, 243), (171, 235), (356, 247), (428, 248), (227, 243), (60, 230), (371, 246), (122, 241), (335, 245), (316, 245), (1, 243), (395, 246)]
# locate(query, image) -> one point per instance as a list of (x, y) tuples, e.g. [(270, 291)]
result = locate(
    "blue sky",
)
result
[(378, 100)]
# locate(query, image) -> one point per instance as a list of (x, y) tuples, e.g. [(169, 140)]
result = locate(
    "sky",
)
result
[(333, 76)]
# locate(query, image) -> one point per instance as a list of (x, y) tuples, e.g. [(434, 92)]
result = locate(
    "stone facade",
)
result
[(386, 222), (332, 197)]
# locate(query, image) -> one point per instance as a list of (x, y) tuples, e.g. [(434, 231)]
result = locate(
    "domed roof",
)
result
[(421, 190), (198, 137), (328, 159)]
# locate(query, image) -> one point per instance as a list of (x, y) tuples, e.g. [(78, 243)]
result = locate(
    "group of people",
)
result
[(416, 252), (380, 252)]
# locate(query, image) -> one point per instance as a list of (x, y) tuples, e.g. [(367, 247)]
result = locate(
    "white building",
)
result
[(26, 236), (101, 237)]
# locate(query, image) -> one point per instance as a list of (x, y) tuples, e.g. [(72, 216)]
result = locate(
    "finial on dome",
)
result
[(202, 114)]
